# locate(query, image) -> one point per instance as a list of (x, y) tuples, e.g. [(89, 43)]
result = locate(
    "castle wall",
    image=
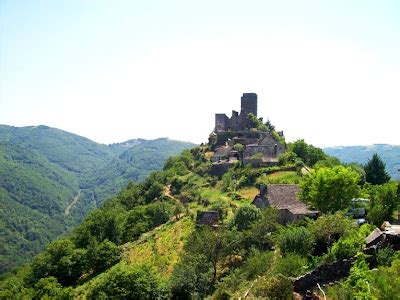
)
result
[(234, 122), (238, 121), (221, 121), (270, 142)]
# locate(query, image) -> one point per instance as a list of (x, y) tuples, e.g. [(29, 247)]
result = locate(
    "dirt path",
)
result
[(68, 208)]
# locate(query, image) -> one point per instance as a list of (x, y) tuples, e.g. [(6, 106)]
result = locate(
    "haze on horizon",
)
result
[(325, 71)]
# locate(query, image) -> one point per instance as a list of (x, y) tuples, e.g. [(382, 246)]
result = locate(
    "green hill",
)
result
[(50, 179), (155, 239), (150, 240), (390, 154)]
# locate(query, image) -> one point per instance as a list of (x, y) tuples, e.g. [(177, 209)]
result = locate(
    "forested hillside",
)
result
[(390, 154), (150, 241), (50, 179)]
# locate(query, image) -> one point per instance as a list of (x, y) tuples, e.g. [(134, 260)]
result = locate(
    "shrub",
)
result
[(245, 216), (327, 229), (126, 282), (258, 263), (276, 287), (297, 240), (291, 265), (385, 256)]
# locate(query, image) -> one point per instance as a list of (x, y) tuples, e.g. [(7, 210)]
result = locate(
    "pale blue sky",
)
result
[(325, 71)]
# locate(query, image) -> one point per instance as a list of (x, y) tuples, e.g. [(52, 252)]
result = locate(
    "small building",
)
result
[(284, 198), (208, 218)]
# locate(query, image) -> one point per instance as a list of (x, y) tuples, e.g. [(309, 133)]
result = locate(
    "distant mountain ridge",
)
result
[(43, 170), (390, 154)]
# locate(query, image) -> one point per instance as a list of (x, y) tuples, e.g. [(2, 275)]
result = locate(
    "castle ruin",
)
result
[(238, 121), (258, 148)]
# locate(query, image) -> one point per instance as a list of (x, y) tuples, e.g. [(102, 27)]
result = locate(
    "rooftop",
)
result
[(285, 196)]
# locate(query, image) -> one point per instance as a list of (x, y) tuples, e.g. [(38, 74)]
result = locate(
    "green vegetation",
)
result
[(50, 179), (331, 189), (145, 242), (375, 171), (309, 154)]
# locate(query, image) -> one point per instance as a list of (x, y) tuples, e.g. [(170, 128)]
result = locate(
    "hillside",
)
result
[(150, 241), (50, 179), (390, 154)]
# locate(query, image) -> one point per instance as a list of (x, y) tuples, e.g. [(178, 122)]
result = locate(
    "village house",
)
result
[(285, 198)]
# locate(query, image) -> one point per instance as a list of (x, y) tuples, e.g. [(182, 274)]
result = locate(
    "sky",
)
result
[(327, 72)]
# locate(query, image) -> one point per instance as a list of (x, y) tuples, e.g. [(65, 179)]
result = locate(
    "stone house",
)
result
[(285, 198)]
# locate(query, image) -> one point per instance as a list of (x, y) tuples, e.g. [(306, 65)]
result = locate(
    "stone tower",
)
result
[(249, 104)]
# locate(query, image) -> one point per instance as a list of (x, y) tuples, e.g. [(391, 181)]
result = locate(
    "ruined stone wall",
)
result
[(234, 122), (219, 169), (221, 121), (270, 142), (323, 274), (252, 150), (245, 141), (269, 150)]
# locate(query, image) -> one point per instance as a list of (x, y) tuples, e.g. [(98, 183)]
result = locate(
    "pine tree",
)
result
[(375, 171)]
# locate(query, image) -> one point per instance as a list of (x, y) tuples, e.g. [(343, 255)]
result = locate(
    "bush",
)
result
[(49, 288), (385, 256), (296, 240), (347, 247), (245, 216), (288, 157), (291, 265), (126, 282), (258, 264), (276, 287), (327, 229)]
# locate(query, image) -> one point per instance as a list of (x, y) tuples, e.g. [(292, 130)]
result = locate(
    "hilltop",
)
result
[(50, 179)]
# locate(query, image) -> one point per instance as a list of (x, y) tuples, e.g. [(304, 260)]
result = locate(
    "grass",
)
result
[(214, 195), (282, 177), (159, 248), (248, 193), (162, 248)]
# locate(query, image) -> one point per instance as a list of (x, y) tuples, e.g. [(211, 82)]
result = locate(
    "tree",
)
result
[(383, 202), (127, 282), (191, 276), (308, 153), (213, 245), (259, 233), (102, 256), (375, 171), (257, 123), (49, 288), (331, 189), (245, 216), (60, 260)]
